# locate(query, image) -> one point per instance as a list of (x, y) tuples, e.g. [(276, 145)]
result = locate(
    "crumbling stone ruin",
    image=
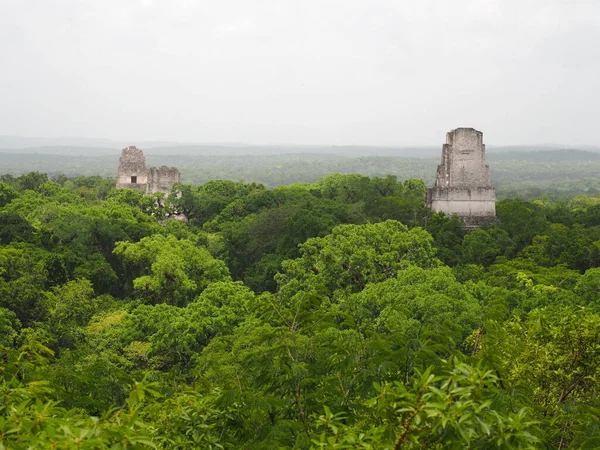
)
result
[(462, 185), (133, 173)]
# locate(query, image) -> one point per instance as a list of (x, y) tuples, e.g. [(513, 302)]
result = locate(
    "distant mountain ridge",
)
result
[(20, 142), (541, 156), (100, 147)]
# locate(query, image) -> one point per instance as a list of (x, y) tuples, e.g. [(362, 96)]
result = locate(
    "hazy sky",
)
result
[(301, 71)]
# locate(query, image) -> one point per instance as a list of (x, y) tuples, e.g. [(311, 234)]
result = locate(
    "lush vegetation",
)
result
[(329, 315), (525, 174)]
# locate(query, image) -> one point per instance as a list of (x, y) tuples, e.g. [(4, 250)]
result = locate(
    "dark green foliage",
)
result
[(448, 234), (522, 221), (14, 228), (32, 181), (338, 314)]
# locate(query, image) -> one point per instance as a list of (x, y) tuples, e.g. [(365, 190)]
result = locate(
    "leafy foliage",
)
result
[(335, 314)]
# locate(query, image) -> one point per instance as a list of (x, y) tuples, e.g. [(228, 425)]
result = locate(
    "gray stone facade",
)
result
[(462, 184), (133, 173)]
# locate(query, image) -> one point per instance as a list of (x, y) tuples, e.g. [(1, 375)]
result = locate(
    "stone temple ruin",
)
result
[(133, 173), (462, 185)]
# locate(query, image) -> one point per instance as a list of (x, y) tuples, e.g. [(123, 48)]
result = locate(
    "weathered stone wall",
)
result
[(162, 179), (465, 202), (462, 184), (463, 160), (132, 163), (132, 167)]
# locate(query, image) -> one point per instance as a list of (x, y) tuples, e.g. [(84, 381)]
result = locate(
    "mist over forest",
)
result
[(524, 171)]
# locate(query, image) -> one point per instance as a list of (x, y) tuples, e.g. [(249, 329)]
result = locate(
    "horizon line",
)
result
[(162, 142)]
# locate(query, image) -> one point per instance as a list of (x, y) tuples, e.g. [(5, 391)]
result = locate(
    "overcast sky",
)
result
[(387, 72)]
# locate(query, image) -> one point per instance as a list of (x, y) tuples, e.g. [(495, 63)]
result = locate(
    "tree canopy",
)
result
[(327, 315)]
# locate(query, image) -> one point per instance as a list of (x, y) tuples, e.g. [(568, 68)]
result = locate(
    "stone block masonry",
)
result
[(162, 179), (462, 185), (133, 173)]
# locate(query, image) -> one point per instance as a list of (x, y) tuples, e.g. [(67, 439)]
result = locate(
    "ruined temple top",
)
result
[(132, 150), (133, 173), (463, 161), (132, 160)]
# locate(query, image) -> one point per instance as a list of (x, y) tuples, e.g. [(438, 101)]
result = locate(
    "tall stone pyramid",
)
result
[(462, 185)]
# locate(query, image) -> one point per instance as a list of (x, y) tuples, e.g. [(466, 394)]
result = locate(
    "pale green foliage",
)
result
[(416, 300), (7, 194), (354, 255), (71, 306), (560, 354), (172, 270), (193, 426), (29, 421), (162, 336), (555, 356), (458, 409)]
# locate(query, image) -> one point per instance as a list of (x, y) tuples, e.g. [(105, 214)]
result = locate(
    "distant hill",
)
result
[(60, 150), (544, 155), (37, 143), (104, 147)]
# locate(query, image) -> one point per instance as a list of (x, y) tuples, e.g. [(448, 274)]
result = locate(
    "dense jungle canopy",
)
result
[(335, 314)]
